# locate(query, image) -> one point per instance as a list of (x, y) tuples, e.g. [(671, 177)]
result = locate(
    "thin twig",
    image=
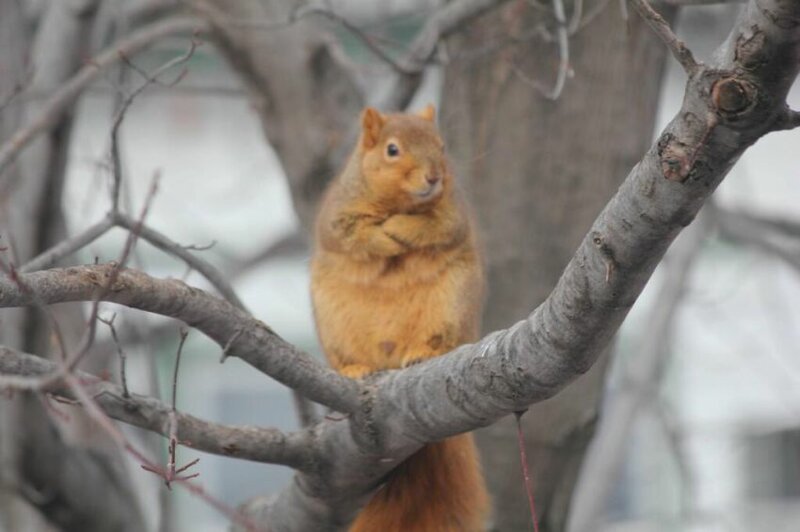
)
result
[(662, 29), (439, 25), (61, 100), (133, 235), (259, 444), (183, 334), (104, 422), (49, 258), (116, 165), (18, 89), (523, 457), (205, 268), (562, 37), (575, 19), (122, 357), (300, 12), (623, 11), (173, 474), (228, 345)]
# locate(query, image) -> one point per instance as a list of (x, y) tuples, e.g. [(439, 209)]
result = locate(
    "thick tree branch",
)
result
[(244, 336), (640, 385), (258, 444), (57, 104), (729, 104)]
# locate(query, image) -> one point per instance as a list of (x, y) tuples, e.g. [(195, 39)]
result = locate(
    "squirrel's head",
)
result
[(403, 160)]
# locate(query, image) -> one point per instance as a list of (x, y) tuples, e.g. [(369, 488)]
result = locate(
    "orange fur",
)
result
[(396, 278)]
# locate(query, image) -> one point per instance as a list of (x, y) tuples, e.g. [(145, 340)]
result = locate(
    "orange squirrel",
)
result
[(396, 278)]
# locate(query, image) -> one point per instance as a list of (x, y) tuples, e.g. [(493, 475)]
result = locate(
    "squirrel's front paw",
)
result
[(411, 360), (398, 227), (355, 371)]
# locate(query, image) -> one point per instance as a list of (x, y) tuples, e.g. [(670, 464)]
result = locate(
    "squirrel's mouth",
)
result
[(429, 192)]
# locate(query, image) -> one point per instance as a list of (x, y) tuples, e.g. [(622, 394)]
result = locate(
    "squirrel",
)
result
[(397, 278)]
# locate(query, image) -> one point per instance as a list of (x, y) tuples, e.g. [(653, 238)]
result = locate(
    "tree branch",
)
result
[(777, 237), (65, 248), (443, 23), (165, 244), (256, 344), (729, 105), (267, 445), (665, 33), (639, 387), (57, 104)]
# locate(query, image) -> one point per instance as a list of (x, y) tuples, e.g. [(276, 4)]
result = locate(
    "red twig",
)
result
[(525, 471)]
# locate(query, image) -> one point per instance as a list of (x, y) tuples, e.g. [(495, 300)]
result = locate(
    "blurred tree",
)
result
[(539, 152), (539, 168)]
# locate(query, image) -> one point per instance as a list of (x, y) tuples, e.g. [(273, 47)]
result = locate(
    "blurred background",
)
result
[(700, 399)]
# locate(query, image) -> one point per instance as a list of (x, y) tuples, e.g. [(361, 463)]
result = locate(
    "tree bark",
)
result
[(537, 179), (54, 476)]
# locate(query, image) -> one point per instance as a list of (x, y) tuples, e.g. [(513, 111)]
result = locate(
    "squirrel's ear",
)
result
[(429, 113), (371, 124)]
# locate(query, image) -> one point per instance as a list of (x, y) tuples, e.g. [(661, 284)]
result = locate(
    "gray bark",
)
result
[(537, 179), (728, 106), (52, 474)]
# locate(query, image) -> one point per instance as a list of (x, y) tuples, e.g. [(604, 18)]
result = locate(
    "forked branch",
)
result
[(665, 33)]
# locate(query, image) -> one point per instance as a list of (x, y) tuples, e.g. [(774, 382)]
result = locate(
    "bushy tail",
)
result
[(438, 489)]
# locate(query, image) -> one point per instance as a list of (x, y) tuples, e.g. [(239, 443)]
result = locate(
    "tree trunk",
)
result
[(61, 480), (500, 131)]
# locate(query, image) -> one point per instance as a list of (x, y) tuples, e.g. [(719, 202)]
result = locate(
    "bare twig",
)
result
[(577, 15), (111, 279), (777, 237), (563, 50), (172, 474), (183, 334), (441, 24), (365, 38), (67, 247), (104, 422), (116, 165), (266, 445), (523, 458), (122, 357), (662, 29), (300, 12), (61, 100), (562, 37), (18, 89), (218, 319), (205, 268)]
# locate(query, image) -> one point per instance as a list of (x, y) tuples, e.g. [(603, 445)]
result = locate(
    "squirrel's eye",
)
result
[(392, 150)]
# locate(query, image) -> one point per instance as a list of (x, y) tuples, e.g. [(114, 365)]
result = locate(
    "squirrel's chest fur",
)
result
[(379, 311)]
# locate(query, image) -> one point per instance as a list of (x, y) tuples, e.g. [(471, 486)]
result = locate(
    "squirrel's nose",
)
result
[(432, 179)]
